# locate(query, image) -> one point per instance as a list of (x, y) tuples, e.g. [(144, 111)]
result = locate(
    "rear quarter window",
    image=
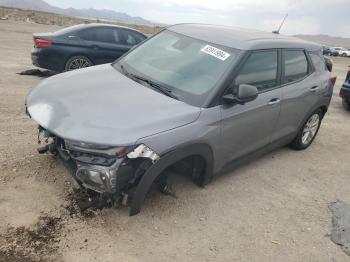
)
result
[(318, 62), (296, 65), (129, 38)]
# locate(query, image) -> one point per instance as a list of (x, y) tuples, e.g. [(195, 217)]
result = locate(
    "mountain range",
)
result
[(327, 40), (40, 5)]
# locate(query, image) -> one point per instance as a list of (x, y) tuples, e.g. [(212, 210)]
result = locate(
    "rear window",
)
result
[(296, 65)]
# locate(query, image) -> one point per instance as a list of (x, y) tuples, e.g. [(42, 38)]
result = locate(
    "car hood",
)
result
[(102, 106)]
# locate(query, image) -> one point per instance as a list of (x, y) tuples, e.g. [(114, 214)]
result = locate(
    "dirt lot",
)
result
[(274, 209)]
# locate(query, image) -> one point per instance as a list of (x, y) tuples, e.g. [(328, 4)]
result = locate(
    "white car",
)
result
[(342, 51)]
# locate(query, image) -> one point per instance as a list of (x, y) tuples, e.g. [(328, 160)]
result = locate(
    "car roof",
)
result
[(240, 38), (94, 25), (104, 25)]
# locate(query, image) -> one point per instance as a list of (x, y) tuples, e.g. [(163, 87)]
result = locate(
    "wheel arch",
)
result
[(323, 107), (165, 161), (324, 110)]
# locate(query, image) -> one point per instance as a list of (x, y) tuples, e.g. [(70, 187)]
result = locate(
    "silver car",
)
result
[(198, 98)]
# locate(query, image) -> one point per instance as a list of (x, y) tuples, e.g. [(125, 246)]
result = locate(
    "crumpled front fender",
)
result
[(164, 162)]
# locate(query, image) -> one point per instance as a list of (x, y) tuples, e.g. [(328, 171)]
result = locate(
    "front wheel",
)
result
[(308, 131), (77, 62), (346, 104), (343, 55)]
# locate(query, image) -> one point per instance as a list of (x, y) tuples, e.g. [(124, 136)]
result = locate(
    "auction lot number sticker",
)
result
[(215, 52)]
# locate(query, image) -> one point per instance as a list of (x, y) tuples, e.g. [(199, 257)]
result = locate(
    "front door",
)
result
[(248, 127)]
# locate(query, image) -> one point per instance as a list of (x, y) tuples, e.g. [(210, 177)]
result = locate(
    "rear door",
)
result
[(248, 127), (129, 38), (301, 89), (103, 44)]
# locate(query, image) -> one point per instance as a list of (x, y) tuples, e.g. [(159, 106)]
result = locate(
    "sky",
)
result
[(330, 17)]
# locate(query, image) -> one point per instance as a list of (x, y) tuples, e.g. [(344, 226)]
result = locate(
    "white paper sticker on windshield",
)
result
[(213, 51)]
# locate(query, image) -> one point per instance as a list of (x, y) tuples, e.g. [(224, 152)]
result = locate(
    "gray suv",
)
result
[(201, 99)]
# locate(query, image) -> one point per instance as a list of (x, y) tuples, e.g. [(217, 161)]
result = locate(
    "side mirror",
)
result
[(245, 94)]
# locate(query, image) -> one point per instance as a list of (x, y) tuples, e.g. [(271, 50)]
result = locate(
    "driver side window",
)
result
[(260, 70)]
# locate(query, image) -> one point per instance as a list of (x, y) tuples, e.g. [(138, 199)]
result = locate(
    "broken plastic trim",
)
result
[(143, 151)]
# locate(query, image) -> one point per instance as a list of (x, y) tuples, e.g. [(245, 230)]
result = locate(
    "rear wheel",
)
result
[(77, 62), (308, 131), (346, 104), (343, 55)]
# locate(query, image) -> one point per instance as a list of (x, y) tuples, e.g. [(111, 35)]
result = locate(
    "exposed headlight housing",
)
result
[(94, 176), (97, 166), (98, 178)]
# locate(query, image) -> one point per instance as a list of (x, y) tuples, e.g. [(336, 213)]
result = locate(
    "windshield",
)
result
[(188, 67)]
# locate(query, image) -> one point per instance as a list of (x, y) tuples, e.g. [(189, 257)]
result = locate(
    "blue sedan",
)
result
[(345, 92), (82, 46)]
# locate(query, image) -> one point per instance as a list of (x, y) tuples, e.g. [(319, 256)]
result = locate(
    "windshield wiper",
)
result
[(151, 83)]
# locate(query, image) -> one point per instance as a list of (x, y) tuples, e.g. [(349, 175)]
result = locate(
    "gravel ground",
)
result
[(273, 209)]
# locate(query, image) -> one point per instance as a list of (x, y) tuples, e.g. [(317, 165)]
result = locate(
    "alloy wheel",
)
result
[(78, 63), (310, 129)]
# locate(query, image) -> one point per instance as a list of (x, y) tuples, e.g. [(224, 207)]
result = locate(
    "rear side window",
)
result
[(105, 35), (88, 34), (296, 65), (259, 70), (318, 62)]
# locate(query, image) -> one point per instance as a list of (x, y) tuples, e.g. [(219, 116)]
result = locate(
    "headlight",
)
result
[(93, 178), (98, 178)]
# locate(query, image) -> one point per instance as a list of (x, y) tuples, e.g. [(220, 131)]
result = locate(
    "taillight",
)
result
[(333, 79), (38, 42)]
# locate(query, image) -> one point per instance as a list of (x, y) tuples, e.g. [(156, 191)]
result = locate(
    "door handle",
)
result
[(314, 88), (274, 101)]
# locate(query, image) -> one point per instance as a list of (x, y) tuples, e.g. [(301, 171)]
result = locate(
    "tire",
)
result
[(308, 131), (346, 104), (343, 55), (77, 62)]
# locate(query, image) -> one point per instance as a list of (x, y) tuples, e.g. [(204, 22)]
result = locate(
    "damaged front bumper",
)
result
[(108, 173)]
